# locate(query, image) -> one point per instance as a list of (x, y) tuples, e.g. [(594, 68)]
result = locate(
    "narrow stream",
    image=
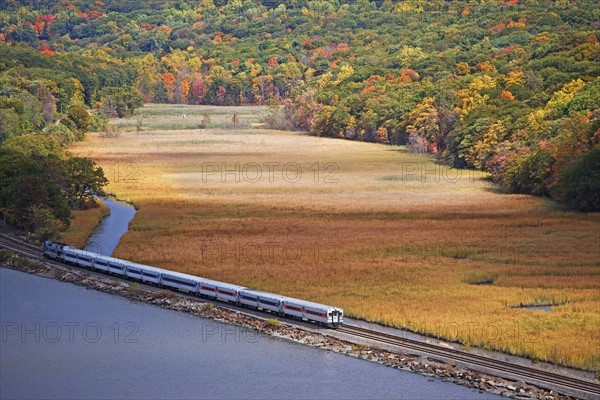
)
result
[(105, 238)]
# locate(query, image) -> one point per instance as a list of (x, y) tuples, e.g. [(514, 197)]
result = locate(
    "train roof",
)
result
[(261, 293), (58, 243), (180, 275), (305, 303), (146, 267), (111, 259), (86, 253), (222, 284)]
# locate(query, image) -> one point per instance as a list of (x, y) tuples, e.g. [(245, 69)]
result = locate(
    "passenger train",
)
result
[(281, 305)]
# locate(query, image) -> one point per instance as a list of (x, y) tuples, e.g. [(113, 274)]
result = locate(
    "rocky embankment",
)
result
[(270, 328)]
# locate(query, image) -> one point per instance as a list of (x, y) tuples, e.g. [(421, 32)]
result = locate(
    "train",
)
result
[(288, 307)]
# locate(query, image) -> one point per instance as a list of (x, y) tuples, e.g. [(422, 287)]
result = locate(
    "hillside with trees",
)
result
[(505, 86)]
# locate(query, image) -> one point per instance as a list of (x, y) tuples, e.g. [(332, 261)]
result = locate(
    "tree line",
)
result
[(505, 86)]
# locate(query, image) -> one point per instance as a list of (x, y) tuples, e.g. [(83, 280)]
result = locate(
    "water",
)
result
[(105, 238), (63, 341)]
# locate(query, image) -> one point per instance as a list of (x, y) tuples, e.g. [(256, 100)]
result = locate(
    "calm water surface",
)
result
[(105, 238), (63, 341)]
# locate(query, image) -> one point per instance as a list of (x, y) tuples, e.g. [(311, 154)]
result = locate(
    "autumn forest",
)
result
[(507, 87)]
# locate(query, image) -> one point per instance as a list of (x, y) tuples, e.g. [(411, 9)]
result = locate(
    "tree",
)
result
[(81, 117), (205, 120), (10, 124), (40, 145), (28, 191), (42, 223), (169, 85), (579, 183), (184, 92), (85, 180)]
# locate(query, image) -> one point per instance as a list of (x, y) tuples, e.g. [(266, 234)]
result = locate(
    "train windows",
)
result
[(315, 313), (178, 281), (270, 303)]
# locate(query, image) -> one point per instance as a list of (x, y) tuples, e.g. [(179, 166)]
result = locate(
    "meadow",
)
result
[(390, 236)]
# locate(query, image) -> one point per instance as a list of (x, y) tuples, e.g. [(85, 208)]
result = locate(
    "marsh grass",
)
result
[(83, 223), (407, 252)]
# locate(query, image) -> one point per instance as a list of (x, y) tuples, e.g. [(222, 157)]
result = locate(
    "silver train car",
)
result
[(226, 292)]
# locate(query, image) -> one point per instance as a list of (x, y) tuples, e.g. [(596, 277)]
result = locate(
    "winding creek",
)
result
[(63, 341), (105, 238)]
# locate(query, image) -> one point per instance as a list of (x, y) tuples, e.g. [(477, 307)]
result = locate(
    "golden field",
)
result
[(387, 235)]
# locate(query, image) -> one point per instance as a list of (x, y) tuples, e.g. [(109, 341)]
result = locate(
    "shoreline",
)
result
[(282, 329)]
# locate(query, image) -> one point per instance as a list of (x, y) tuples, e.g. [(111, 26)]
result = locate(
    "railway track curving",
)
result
[(544, 379)]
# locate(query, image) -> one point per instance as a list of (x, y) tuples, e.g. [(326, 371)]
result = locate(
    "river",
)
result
[(64, 341), (106, 236)]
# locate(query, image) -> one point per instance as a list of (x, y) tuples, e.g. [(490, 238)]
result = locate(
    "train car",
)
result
[(219, 290), (100, 264), (176, 280), (54, 250), (69, 255), (149, 274), (259, 299), (133, 272), (321, 313), (79, 257), (116, 266)]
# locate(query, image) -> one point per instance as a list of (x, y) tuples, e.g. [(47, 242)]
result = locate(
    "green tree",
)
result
[(579, 183), (43, 223), (84, 180), (81, 117)]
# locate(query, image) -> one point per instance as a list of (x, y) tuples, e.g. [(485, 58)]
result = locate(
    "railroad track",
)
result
[(18, 246), (545, 379)]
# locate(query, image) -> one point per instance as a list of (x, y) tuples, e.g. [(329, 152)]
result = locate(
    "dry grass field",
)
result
[(83, 223), (387, 235)]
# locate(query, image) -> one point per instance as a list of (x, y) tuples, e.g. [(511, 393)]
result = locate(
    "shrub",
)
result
[(529, 173), (164, 294), (579, 183), (273, 323), (80, 116)]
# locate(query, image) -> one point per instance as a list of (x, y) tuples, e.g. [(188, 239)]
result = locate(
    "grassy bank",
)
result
[(387, 235), (83, 223)]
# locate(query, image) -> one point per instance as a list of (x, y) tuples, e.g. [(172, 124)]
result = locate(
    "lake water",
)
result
[(105, 238), (63, 341)]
